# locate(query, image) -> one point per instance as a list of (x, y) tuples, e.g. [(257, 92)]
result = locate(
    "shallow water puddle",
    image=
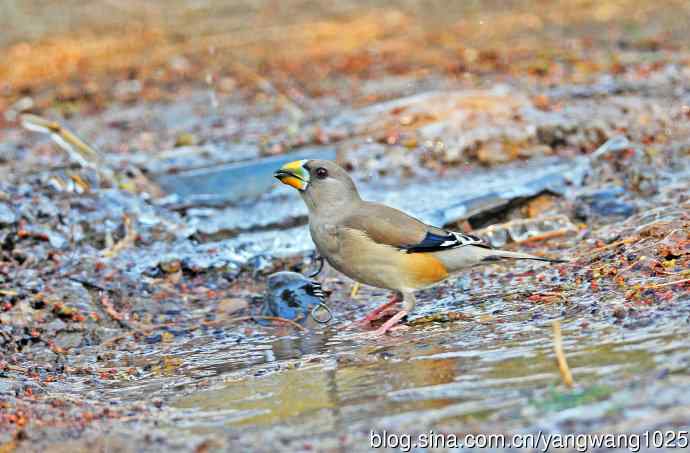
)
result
[(433, 373)]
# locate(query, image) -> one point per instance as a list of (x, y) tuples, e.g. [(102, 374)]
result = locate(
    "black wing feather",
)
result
[(437, 242)]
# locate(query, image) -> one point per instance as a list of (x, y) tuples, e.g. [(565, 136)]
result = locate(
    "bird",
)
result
[(378, 245)]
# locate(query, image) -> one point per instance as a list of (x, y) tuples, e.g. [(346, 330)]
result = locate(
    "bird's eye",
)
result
[(321, 173)]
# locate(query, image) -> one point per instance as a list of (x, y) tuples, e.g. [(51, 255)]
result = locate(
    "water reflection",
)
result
[(339, 382)]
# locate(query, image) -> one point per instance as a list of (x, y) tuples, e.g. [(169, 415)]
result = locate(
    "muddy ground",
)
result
[(127, 276)]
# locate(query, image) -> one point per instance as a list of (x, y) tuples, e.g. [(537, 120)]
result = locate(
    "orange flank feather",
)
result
[(423, 269)]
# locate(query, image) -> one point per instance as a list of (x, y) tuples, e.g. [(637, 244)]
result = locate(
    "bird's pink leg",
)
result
[(391, 322), (376, 313)]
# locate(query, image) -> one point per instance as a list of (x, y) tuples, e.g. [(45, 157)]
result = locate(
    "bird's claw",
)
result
[(378, 333), (392, 323), (381, 331)]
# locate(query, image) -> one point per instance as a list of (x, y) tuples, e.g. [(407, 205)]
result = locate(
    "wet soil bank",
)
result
[(129, 275)]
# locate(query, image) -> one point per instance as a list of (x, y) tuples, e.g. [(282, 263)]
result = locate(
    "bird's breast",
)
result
[(354, 254)]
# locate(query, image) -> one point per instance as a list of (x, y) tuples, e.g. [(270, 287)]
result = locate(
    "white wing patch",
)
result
[(435, 242), (465, 239)]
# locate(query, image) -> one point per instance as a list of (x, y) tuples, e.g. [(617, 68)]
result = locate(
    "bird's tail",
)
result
[(471, 255), (498, 255)]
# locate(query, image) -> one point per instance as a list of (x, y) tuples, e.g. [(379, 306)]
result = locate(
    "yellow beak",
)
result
[(294, 174)]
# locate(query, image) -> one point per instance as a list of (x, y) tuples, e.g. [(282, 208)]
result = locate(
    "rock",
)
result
[(497, 192), (7, 215), (538, 205), (603, 203), (260, 264), (64, 311), (494, 153), (6, 387), (521, 230), (55, 326), (170, 265), (236, 181), (185, 158), (68, 340), (229, 306), (126, 88), (21, 315), (45, 356), (57, 240), (535, 151), (74, 295), (185, 139), (619, 312)]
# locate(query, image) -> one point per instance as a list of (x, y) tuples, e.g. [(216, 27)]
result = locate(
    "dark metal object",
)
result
[(293, 296), (320, 259), (321, 306)]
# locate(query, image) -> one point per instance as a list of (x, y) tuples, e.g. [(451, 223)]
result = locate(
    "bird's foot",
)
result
[(377, 313), (369, 320), (391, 324), (377, 333)]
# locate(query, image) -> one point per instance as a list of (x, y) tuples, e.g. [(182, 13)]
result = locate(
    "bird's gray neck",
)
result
[(334, 208)]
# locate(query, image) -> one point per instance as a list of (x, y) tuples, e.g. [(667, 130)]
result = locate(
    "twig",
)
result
[(661, 285), (450, 316), (86, 284), (545, 295), (141, 330), (545, 236), (18, 369), (115, 315), (77, 149), (566, 375), (354, 290), (683, 272), (613, 245), (635, 263), (126, 242), (87, 156)]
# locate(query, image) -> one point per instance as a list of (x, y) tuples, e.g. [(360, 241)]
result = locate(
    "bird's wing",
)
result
[(450, 240), (389, 226)]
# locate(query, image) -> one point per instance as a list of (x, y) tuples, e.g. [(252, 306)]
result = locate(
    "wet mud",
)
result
[(135, 269)]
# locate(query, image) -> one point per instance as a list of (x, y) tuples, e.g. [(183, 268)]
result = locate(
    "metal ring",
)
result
[(325, 307), (320, 268)]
